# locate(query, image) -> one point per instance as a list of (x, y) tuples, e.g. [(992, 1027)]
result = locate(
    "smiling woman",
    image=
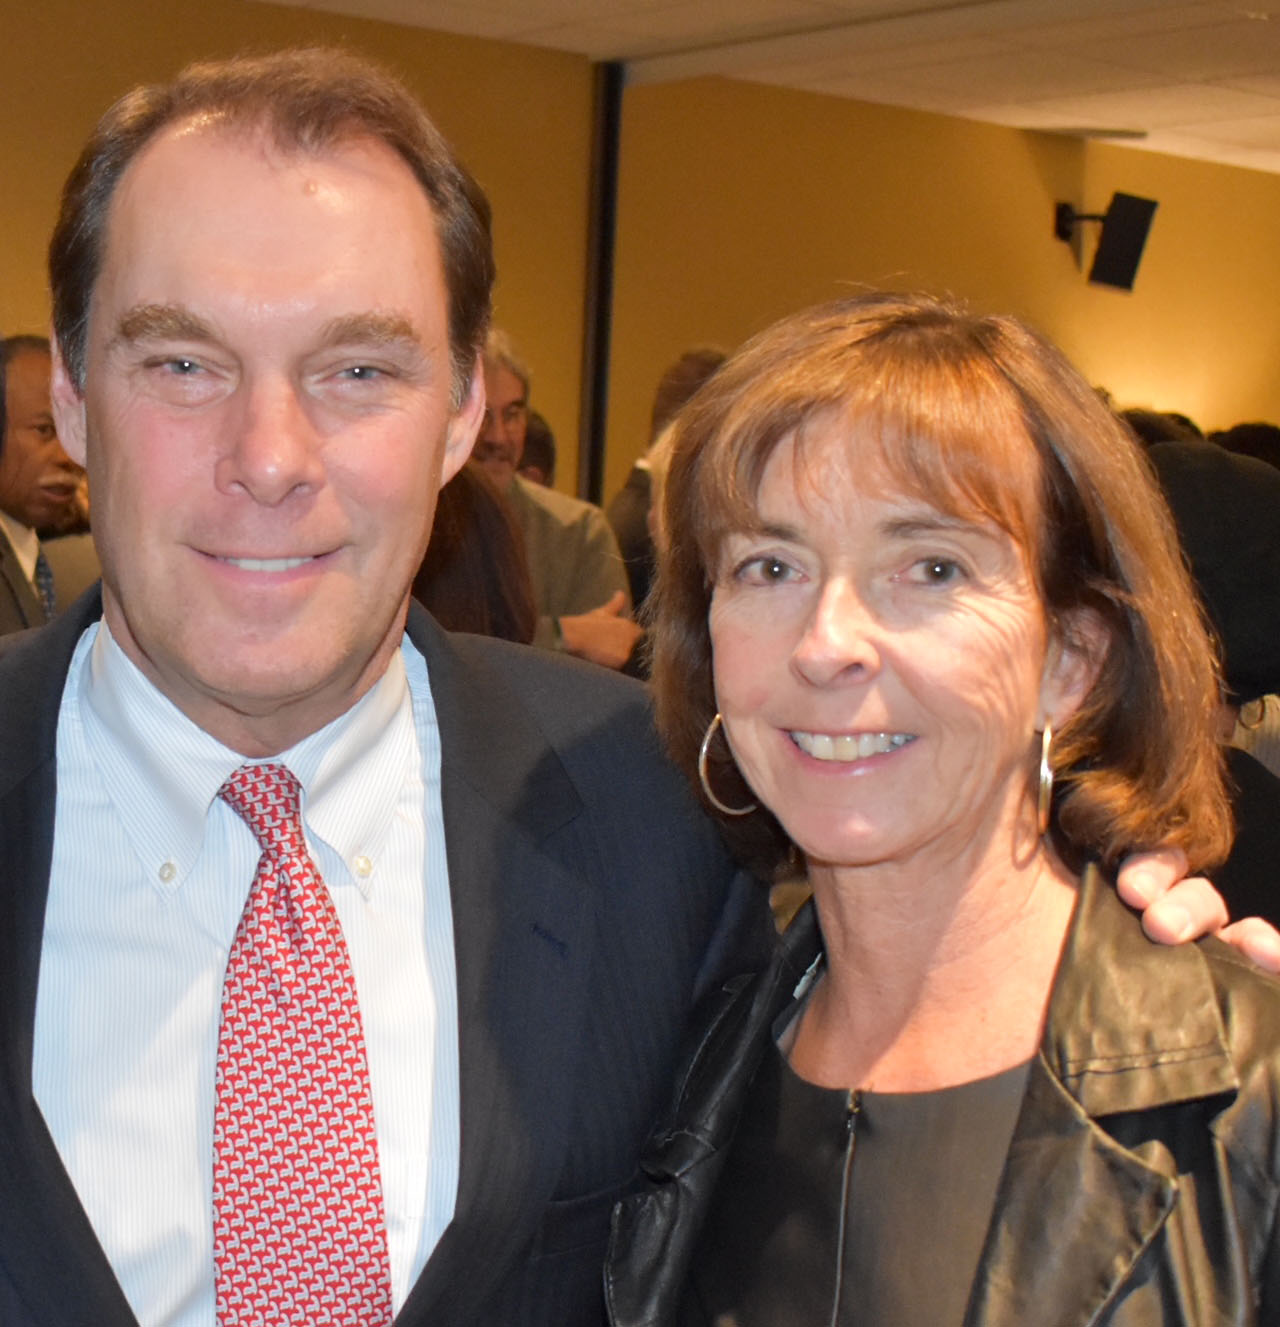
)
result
[(981, 428), (923, 625)]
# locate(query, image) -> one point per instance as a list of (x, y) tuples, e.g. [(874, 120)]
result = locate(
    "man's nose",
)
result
[(63, 461), (272, 447)]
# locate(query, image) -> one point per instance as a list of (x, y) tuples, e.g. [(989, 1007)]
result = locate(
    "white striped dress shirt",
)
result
[(150, 874)]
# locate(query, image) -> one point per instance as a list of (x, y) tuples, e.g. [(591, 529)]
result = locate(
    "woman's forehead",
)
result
[(836, 459)]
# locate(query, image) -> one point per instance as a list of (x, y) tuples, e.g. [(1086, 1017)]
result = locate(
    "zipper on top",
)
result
[(853, 1108)]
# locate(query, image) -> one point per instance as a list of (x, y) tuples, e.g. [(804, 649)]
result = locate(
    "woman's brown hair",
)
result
[(475, 573), (979, 416)]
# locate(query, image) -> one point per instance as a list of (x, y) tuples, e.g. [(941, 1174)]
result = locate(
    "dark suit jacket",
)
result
[(592, 905), (628, 513), (20, 606), (1249, 880)]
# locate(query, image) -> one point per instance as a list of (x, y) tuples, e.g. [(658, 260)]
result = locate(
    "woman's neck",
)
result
[(932, 978)]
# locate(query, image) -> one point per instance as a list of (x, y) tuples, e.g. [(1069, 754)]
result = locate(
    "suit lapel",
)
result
[(522, 932), (47, 1245), (25, 600)]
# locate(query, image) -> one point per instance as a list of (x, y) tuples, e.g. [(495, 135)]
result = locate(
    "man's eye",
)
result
[(182, 367), (363, 372)]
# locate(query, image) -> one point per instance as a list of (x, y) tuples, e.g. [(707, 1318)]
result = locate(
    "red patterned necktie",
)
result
[(299, 1230)]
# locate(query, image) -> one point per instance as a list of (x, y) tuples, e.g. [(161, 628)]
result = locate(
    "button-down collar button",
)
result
[(167, 872), (363, 867)]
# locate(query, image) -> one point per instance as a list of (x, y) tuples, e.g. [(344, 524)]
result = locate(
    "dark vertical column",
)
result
[(606, 126)]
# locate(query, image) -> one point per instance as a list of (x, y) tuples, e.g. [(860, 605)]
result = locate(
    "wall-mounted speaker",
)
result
[(1125, 227)]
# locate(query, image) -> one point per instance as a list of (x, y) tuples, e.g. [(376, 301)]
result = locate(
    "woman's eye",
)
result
[(764, 570), (939, 571)]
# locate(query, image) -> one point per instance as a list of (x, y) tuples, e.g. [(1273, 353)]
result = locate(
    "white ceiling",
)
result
[(1194, 78)]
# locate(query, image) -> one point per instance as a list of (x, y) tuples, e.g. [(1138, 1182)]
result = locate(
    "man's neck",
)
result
[(257, 727)]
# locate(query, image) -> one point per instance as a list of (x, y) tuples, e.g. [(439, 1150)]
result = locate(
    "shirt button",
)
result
[(167, 872), (364, 867)]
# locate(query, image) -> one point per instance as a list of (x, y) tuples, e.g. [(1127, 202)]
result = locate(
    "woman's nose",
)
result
[(839, 638)]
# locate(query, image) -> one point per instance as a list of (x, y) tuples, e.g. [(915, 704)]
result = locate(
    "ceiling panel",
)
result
[(1200, 77)]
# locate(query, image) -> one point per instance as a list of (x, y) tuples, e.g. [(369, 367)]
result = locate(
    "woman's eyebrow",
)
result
[(908, 527)]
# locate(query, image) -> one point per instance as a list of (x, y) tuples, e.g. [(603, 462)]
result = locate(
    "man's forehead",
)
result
[(175, 162), (28, 367), (500, 381), (219, 181)]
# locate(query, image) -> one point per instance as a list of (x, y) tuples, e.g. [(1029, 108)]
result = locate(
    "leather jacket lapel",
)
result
[(1073, 1213), (1076, 1208)]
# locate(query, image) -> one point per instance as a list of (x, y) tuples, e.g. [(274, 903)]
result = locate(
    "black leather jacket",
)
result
[(1142, 1181)]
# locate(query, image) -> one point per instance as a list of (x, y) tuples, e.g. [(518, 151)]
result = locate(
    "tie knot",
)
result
[(268, 799)]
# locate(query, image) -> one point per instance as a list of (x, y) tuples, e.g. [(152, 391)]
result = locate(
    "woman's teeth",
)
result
[(854, 746)]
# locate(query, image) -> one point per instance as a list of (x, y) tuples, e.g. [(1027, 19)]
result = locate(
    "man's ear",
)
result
[(465, 424), (1078, 648), (68, 408)]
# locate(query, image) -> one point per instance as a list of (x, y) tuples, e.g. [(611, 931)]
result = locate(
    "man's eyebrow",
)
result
[(371, 329), (161, 321)]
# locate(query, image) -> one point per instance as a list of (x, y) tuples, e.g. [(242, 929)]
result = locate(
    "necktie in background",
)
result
[(299, 1227), (44, 585)]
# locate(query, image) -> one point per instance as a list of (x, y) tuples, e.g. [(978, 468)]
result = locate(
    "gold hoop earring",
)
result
[(1044, 792), (706, 783)]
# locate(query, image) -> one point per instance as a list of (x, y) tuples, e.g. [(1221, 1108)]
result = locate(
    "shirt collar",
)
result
[(26, 545), (162, 772)]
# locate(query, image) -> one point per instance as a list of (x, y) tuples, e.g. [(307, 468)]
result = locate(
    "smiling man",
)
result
[(334, 986), (38, 482)]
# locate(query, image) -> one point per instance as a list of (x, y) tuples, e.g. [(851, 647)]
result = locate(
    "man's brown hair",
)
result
[(306, 100)]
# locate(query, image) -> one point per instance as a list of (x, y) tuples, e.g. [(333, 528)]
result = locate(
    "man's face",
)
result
[(506, 416), (267, 422), (38, 480)]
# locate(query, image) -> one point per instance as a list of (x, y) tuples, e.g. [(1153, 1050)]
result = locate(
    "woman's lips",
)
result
[(848, 746)]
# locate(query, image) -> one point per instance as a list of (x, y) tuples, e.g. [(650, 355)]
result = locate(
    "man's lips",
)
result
[(269, 564), (59, 490), (848, 747)]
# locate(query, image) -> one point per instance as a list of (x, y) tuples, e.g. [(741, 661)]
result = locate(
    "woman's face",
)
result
[(882, 667)]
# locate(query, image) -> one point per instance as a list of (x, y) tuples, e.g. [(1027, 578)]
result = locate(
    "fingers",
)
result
[(1190, 909), (1176, 910), (601, 637), (1257, 940), (1145, 876), (614, 606)]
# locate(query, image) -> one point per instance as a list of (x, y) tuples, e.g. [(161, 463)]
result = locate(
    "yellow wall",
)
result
[(519, 117), (740, 202)]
